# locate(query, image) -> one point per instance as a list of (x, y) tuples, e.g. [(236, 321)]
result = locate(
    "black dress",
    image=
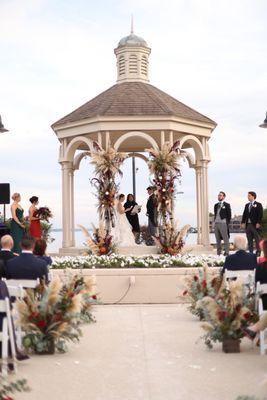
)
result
[(261, 276), (133, 219)]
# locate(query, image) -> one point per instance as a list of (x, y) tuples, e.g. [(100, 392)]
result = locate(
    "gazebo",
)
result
[(131, 116)]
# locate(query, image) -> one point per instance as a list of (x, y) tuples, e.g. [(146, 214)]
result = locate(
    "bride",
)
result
[(123, 234)]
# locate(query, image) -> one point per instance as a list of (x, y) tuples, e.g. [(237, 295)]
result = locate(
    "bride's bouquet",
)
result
[(44, 213)]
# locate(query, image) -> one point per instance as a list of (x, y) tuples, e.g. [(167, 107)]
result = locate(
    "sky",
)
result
[(209, 54)]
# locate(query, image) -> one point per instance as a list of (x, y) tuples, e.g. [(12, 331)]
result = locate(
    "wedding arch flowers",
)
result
[(164, 164), (107, 165)]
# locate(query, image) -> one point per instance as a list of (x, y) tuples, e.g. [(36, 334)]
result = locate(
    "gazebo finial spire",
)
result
[(132, 23)]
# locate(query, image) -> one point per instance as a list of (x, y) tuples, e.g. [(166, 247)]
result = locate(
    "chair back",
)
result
[(24, 283), (15, 291), (247, 275)]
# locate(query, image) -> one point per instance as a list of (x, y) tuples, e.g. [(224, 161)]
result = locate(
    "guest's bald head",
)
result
[(7, 242)]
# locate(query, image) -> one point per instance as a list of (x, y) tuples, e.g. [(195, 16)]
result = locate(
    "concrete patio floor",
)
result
[(147, 352)]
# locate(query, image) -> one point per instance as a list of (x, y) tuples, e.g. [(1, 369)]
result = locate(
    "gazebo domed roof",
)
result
[(132, 40), (133, 99)]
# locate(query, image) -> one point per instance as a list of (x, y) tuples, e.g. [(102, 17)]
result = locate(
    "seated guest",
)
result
[(26, 265), (261, 272), (6, 248), (40, 251), (5, 253), (241, 259)]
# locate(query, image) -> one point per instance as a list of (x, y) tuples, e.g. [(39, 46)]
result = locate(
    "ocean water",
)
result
[(79, 238)]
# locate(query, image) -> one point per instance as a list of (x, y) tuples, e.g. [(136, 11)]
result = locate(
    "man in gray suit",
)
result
[(222, 218)]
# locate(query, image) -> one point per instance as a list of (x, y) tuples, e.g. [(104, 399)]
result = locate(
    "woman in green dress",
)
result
[(17, 228)]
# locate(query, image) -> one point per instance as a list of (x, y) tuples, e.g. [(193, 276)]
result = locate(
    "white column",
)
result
[(66, 167), (171, 137), (99, 138), (205, 203), (162, 139), (199, 204), (72, 220), (107, 140)]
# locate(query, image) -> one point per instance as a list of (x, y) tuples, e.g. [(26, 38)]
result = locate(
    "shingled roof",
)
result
[(133, 99)]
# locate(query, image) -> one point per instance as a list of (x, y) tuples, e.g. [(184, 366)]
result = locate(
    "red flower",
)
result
[(41, 324), (222, 315), (195, 278), (8, 398), (58, 317), (94, 297), (204, 283), (34, 314), (247, 315), (185, 292), (71, 295)]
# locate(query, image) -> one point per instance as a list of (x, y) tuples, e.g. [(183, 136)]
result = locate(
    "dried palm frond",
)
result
[(76, 304), (182, 233), (84, 230)]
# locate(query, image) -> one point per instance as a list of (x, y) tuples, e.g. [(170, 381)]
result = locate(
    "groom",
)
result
[(151, 208)]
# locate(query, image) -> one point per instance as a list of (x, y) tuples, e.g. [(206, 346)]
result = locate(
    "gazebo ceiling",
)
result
[(133, 99)]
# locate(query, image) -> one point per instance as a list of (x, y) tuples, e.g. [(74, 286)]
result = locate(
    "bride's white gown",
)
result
[(122, 233)]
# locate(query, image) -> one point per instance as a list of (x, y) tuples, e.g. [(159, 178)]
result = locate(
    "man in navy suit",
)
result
[(26, 265), (251, 221), (241, 259)]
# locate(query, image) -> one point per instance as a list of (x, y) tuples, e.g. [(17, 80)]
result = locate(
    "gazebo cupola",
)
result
[(132, 59)]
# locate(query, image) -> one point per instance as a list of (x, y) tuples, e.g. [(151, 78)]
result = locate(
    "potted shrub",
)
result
[(55, 316), (226, 315)]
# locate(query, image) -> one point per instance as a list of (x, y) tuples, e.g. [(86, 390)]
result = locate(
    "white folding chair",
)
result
[(262, 289), (7, 335), (17, 292), (246, 275), (24, 283)]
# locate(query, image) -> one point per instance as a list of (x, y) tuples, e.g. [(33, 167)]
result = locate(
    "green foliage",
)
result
[(8, 387)]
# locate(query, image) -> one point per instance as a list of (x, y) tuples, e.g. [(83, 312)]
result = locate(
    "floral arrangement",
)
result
[(54, 318), (203, 283), (7, 388), (107, 165), (44, 213), (100, 243), (165, 166), (170, 240), (120, 261), (229, 313), (85, 286)]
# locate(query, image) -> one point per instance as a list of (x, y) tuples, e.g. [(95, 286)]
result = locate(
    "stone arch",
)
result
[(74, 144), (138, 155), (190, 158), (195, 144), (78, 159), (143, 135)]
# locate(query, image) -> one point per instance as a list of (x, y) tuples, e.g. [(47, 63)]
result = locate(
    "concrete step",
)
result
[(139, 250)]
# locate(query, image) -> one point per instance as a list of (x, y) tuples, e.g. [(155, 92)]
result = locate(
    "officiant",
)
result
[(132, 218)]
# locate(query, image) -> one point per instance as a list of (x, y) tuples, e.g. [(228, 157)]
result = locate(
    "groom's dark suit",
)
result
[(252, 215), (151, 209)]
